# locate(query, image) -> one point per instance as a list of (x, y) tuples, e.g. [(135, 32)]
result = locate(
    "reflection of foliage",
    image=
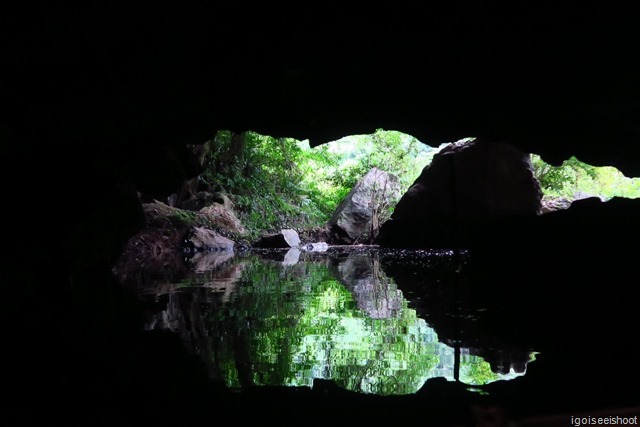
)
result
[(291, 339), (475, 371), (381, 356), (287, 326), (574, 176)]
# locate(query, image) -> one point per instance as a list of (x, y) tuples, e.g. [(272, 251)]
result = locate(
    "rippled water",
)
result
[(289, 317)]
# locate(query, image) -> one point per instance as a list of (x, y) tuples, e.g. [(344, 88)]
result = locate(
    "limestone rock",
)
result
[(221, 217), (204, 239), (466, 184), (287, 238), (554, 204), (356, 218)]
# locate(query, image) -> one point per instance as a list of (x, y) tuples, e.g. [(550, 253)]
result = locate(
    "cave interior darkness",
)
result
[(102, 102)]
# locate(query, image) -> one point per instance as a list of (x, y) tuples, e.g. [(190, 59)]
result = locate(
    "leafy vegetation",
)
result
[(284, 183), (574, 177)]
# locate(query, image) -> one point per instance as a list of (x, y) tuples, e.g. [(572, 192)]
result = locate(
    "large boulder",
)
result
[(203, 239), (357, 218), (220, 217), (156, 249), (467, 184)]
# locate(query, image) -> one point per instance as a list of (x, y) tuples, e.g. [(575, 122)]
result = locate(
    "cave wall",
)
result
[(100, 103), (466, 185), (115, 96), (556, 81)]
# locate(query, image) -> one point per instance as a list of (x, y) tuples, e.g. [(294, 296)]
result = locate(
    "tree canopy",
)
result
[(575, 177), (284, 183)]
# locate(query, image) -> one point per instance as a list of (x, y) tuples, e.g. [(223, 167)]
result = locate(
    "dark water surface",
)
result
[(373, 321)]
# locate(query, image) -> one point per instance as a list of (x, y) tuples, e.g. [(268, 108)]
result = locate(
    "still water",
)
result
[(277, 317)]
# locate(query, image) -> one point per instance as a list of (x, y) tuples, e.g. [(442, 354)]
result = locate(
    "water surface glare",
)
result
[(286, 318)]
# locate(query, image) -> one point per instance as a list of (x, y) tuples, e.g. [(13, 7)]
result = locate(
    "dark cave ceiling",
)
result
[(557, 81)]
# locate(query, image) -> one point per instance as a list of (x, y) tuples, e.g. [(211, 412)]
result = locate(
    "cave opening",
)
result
[(346, 310), (100, 103), (275, 183), (576, 180), (284, 183)]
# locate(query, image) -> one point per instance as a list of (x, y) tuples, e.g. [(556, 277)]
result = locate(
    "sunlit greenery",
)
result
[(284, 183), (574, 177), (289, 325)]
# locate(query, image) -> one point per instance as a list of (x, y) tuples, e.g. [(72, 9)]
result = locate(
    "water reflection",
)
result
[(276, 318)]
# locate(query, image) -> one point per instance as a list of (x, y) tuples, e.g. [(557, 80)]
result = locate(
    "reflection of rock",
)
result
[(224, 279), (353, 219), (186, 310), (505, 358), (185, 316), (291, 257), (148, 256), (447, 301), (157, 250), (373, 291), (287, 238), (205, 261)]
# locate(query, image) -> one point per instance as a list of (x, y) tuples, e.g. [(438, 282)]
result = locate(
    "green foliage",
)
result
[(284, 183), (390, 151), (263, 177), (475, 371), (574, 176), (305, 325)]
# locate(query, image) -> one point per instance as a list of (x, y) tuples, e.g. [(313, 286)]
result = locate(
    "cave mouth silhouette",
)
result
[(100, 103)]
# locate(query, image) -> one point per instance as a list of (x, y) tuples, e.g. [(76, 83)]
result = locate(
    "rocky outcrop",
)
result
[(159, 247), (203, 240), (221, 217), (357, 218), (286, 238), (466, 184), (553, 204), (156, 249)]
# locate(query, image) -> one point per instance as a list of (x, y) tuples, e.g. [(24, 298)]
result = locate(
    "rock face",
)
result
[(466, 184), (222, 217), (156, 248), (357, 217), (287, 238), (554, 204), (204, 239)]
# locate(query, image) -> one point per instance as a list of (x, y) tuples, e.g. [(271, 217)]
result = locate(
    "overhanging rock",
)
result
[(467, 184)]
